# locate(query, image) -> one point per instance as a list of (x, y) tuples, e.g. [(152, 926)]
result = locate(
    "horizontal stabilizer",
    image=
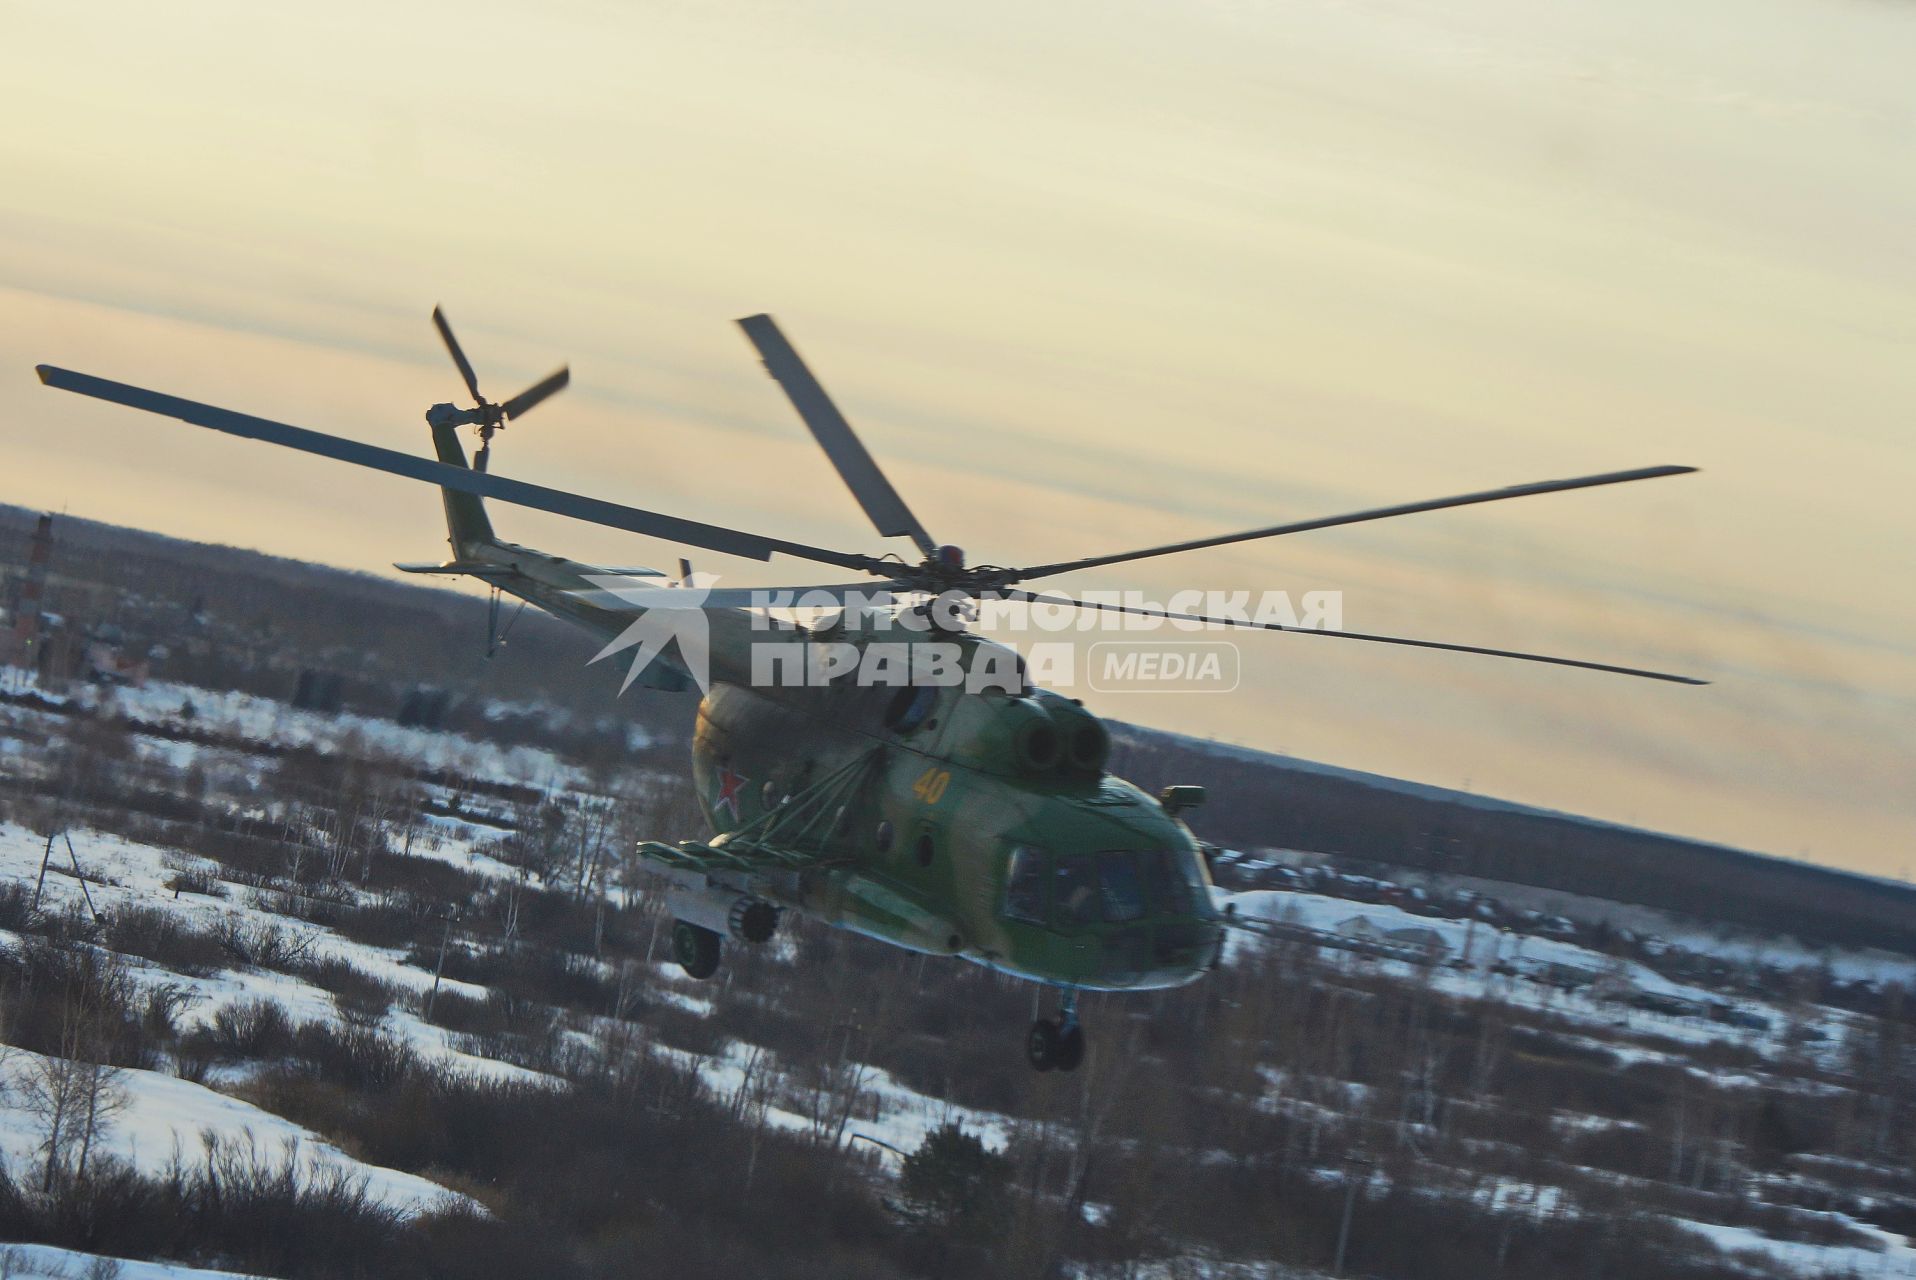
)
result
[(454, 568)]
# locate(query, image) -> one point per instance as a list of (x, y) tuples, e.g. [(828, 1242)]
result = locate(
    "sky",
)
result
[(1085, 277)]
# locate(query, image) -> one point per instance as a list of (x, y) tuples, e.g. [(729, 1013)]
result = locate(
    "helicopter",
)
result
[(967, 817)]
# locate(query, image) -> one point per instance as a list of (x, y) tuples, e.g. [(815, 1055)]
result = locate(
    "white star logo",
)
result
[(667, 613)]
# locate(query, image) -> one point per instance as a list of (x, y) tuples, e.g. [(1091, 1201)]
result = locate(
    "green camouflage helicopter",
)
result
[(964, 814)]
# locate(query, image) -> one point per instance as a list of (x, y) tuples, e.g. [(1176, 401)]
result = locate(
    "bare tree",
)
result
[(73, 1095)]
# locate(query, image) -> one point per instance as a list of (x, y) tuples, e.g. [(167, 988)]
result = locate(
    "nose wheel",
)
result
[(1057, 1044)]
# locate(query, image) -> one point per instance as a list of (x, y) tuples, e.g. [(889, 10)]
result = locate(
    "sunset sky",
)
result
[(1086, 277)]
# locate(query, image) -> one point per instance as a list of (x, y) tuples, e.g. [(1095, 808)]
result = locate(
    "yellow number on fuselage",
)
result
[(931, 785)]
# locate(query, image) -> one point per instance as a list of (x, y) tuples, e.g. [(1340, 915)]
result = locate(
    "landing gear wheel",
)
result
[(1041, 1045), (696, 949), (1070, 1051)]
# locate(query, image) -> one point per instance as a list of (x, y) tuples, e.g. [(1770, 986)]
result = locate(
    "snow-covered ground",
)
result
[(905, 1117), (1734, 944), (165, 1114), (453, 842), (137, 874), (44, 1262), (1892, 1257), (164, 1117), (269, 721), (1481, 946)]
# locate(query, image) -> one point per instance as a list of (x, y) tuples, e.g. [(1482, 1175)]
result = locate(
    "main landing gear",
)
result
[(699, 947), (1057, 1044), (695, 948)]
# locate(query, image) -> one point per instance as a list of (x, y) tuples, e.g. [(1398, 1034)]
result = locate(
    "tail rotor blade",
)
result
[(551, 385), (458, 353)]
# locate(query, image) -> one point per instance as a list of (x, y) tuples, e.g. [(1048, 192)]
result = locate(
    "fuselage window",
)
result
[(1164, 883), (1123, 891), (909, 707), (1074, 898), (1025, 881)]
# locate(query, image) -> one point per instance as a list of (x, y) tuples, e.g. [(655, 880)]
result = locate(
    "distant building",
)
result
[(1669, 1005), (1363, 929), (111, 660), (1565, 977), (1413, 942), (1429, 942)]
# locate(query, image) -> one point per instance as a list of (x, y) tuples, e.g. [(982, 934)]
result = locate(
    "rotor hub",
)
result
[(488, 417)]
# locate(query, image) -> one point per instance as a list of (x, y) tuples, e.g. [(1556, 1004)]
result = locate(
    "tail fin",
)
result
[(466, 520)]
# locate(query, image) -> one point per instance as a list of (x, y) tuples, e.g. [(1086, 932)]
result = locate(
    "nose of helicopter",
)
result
[(1169, 953)]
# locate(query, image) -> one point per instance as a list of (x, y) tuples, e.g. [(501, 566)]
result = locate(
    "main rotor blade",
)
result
[(835, 435), (550, 385), (647, 595), (458, 353), (1245, 624), (517, 492), (1355, 517)]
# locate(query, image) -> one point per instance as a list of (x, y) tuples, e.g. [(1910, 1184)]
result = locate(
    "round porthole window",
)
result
[(909, 707), (883, 837), (923, 850)]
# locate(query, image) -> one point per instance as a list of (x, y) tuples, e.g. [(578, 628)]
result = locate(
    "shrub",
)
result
[(196, 880), (276, 1214), (16, 903), (159, 935), (264, 946), (60, 998), (539, 974), (245, 1030), (164, 1004), (386, 924), (470, 1015), (360, 1058), (360, 997)]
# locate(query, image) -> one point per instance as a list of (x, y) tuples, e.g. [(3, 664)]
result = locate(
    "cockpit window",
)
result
[(1123, 891), (1025, 885), (1074, 898), (1164, 882), (1198, 876)]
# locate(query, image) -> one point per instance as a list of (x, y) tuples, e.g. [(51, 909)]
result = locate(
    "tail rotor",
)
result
[(487, 417)]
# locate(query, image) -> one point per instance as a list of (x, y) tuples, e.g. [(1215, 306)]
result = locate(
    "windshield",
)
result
[(1075, 891), (1025, 885), (1123, 891), (1167, 886), (1114, 887)]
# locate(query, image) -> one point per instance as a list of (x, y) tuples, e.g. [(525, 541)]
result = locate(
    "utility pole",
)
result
[(445, 940), (45, 857), (1352, 1183)]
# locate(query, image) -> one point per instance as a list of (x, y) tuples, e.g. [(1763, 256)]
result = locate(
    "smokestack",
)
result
[(33, 590)]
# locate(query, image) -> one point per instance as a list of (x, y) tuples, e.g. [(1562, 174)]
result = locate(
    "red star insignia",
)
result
[(730, 784)]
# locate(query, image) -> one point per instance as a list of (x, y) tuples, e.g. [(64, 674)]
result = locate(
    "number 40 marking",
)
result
[(931, 785)]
